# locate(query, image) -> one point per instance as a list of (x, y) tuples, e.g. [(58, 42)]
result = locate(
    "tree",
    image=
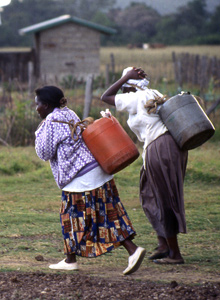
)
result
[(212, 36), (193, 15), (214, 23), (102, 19), (87, 9), (185, 26), (22, 13), (137, 22)]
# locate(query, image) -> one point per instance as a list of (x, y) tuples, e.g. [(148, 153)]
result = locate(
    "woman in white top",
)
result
[(164, 164)]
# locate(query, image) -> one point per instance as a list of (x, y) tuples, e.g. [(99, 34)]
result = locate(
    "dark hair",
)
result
[(51, 95)]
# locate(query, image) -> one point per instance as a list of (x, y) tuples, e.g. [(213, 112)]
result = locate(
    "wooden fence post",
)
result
[(195, 69), (107, 76), (112, 67), (203, 73), (88, 96), (30, 77), (177, 69)]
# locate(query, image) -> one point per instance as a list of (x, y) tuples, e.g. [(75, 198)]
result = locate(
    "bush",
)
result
[(18, 118)]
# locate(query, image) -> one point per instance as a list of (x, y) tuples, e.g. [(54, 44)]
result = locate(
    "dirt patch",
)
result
[(92, 283)]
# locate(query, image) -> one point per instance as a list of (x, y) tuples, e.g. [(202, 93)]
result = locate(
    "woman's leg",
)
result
[(162, 249), (162, 243), (70, 258), (129, 246), (174, 256), (174, 251), (136, 256)]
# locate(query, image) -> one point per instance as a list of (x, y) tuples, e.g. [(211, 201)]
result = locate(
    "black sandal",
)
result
[(157, 254)]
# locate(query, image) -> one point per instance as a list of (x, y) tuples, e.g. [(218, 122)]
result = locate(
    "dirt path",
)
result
[(179, 282)]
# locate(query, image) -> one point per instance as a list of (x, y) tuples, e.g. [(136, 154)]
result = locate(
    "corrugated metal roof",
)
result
[(62, 20)]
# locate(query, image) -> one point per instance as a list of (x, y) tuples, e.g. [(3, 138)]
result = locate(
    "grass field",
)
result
[(157, 63), (29, 212), (151, 59), (30, 199)]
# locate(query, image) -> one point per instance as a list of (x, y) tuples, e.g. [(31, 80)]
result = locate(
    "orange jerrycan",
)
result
[(110, 144)]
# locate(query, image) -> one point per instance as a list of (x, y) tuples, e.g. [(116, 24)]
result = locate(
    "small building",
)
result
[(64, 46), (14, 63)]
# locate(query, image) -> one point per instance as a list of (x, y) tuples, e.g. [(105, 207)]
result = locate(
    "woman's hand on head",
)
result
[(136, 73), (109, 94)]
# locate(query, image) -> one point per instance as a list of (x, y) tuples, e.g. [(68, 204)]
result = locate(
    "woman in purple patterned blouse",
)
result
[(93, 218)]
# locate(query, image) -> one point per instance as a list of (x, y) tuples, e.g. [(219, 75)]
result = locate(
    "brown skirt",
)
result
[(161, 186)]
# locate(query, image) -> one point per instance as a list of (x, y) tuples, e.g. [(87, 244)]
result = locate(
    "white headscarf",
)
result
[(139, 84)]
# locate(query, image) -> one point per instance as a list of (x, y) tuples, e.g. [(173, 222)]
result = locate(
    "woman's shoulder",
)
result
[(64, 114)]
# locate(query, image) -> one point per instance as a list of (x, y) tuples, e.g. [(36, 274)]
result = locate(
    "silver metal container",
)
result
[(186, 121)]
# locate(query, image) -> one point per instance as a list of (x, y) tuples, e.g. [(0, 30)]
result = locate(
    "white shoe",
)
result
[(62, 265), (135, 260)]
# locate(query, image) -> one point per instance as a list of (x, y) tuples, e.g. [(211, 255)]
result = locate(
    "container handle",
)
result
[(73, 126), (152, 104)]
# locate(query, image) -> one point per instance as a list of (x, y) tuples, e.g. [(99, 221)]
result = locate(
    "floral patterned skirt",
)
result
[(94, 222)]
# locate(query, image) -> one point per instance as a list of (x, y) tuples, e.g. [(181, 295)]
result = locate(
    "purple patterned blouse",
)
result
[(54, 143)]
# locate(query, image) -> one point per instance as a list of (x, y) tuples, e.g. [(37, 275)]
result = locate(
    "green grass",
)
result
[(29, 212), (30, 198)]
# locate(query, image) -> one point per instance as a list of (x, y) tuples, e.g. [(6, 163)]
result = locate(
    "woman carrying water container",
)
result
[(92, 216), (164, 163)]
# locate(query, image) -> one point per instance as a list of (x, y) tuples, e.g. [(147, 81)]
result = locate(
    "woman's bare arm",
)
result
[(109, 94)]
